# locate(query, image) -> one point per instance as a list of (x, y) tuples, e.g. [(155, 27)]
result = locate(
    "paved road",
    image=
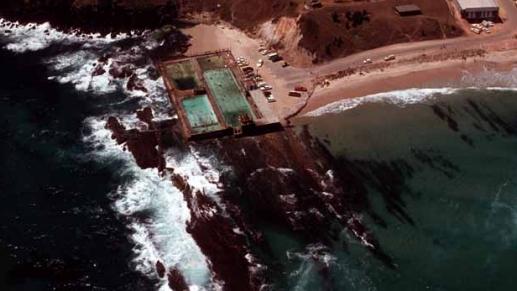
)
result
[(507, 31)]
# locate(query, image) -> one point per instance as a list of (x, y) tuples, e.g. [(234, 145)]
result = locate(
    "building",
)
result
[(408, 10), (478, 9)]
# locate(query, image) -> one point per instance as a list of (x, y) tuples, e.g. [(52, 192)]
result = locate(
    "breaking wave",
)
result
[(398, 98)]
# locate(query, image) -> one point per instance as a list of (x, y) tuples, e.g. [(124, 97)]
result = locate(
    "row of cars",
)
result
[(484, 26), (271, 55), (251, 76)]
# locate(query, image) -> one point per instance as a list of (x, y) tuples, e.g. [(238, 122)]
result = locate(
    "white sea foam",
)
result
[(34, 37), (76, 68), (201, 173), (161, 235), (400, 98)]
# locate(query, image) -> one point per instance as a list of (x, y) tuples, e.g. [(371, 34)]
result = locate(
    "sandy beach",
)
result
[(452, 73)]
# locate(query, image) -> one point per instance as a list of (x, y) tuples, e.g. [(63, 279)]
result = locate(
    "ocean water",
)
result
[(441, 174), (58, 229)]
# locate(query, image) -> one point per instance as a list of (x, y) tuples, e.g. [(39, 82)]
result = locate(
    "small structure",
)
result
[(478, 9), (408, 10)]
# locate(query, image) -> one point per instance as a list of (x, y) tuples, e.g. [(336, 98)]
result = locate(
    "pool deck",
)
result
[(263, 119)]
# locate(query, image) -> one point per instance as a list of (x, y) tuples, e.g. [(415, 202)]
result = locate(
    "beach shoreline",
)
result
[(454, 73)]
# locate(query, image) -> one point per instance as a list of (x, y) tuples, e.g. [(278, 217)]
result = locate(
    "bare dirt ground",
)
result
[(342, 29), (243, 14)]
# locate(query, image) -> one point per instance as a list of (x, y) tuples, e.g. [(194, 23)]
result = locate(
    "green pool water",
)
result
[(211, 63), (200, 114), (182, 75), (224, 87)]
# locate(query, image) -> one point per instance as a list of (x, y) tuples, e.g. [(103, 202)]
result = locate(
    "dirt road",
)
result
[(405, 50)]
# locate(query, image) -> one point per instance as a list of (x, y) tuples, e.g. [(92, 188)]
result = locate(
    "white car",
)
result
[(260, 63), (367, 61), (270, 98), (389, 58)]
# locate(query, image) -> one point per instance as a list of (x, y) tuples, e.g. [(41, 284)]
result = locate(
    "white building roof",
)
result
[(473, 4)]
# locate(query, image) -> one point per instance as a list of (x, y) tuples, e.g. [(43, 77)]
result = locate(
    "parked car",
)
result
[(389, 58), (295, 94), (269, 97)]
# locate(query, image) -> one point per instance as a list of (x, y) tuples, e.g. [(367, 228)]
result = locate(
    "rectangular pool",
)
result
[(200, 114), (228, 96)]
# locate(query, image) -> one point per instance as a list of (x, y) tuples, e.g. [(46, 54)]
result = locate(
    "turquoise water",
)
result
[(224, 87), (441, 178), (200, 114)]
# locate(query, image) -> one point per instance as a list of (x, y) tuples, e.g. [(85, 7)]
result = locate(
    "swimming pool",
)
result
[(228, 95), (200, 114)]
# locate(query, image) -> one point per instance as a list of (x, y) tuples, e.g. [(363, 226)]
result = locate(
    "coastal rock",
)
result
[(99, 70), (215, 235), (160, 269), (289, 182), (117, 129), (176, 280), (120, 72), (146, 115), (135, 84), (142, 144)]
